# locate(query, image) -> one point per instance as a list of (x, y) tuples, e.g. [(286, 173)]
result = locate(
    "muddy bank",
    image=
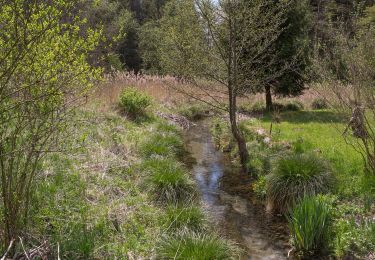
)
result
[(229, 202)]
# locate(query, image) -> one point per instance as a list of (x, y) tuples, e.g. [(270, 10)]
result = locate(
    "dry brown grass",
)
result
[(172, 92), (108, 91)]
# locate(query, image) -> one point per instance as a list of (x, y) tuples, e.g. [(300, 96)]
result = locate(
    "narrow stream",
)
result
[(237, 218)]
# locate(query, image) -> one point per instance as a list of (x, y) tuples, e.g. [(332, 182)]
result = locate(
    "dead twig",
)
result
[(9, 248)]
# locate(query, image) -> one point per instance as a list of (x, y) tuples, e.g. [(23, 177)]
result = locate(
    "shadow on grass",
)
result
[(316, 116)]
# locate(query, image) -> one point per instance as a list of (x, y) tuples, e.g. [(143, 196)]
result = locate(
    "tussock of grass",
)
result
[(309, 224), (190, 245), (296, 176), (180, 217), (168, 180), (162, 144)]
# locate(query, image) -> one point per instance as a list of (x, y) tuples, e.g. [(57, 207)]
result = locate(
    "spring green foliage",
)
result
[(169, 181), (318, 132), (91, 201), (296, 176), (163, 144), (134, 103), (309, 223), (190, 245), (182, 52), (179, 217), (99, 200), (44, 71), (354, 237), (260, 187)]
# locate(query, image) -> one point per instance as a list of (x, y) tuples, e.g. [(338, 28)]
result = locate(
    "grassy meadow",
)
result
[(121, 190), (318, 132)]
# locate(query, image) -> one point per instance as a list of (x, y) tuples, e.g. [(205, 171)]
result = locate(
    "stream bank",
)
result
[(234, 212)]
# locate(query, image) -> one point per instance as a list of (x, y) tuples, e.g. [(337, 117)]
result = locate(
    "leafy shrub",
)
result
[(133, 102), (319, 103), (162, 144), (309, 224), (259, 187), (295, 176), (353, 237), (191, 245), (168, 180), (190, 217)]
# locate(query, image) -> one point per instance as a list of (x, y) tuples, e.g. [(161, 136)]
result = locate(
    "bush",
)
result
[(190, 217), (295, 176), (259, 187), (319, 103), (168, 180), (134, 103), (309, 224), (190, 245)]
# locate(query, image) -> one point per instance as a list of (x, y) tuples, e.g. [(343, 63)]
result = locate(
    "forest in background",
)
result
[(97, 95)]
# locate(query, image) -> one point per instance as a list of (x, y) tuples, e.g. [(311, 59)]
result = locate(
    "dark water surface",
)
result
[(237, 218)]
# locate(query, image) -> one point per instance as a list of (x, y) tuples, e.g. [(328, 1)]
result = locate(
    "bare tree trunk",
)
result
[(232, 89), (241, 142), (269, 105)]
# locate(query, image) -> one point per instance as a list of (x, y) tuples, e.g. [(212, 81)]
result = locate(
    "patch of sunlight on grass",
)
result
[(321, 131)]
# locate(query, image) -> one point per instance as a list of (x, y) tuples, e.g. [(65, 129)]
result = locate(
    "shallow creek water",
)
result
[(237, 218)]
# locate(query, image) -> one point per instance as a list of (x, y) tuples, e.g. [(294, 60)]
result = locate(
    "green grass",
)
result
[(166, 144), (168, 180), (180, 217), (309, 224), (321, 131), (190, 245), (295, 176)]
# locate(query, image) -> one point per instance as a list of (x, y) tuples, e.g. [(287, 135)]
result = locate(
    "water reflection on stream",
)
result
[(237, 218)]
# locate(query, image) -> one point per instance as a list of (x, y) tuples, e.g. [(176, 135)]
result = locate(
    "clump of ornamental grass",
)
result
[(166, 144), (309, 224), (179, 217), (168, 180), (295, 176), (192, 245), (134, 103)]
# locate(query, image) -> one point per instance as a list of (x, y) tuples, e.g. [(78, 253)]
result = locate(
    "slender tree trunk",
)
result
[(232, 89), (241, 142), (269, 105)]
